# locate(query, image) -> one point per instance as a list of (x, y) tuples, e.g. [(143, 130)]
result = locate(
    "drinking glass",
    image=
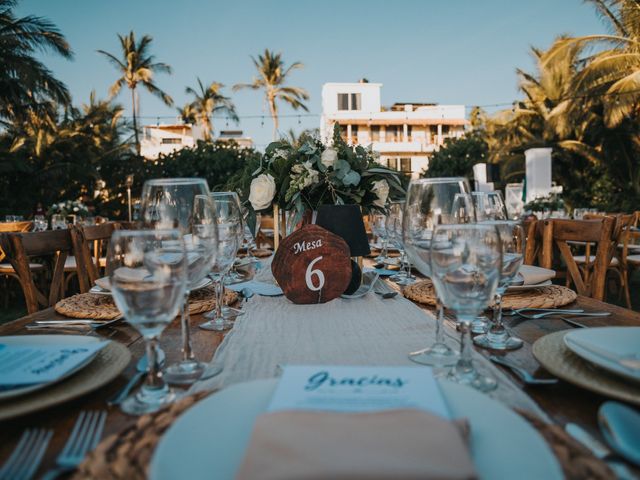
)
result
[(39, 223), (466, 261), (430, 202), (489, 206), (148, 273), (229, 220), (512, 240), (58, 222), (233, 276), (379, 229), (394, 231), (184, 204)]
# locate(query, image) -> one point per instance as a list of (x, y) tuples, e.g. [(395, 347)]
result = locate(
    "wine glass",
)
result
[(184, 204), (512, 239), (229, 221), (466, 261), (148, 274), (379, 229), (430, 202), (394, 231), (58, 222), (489, 206)]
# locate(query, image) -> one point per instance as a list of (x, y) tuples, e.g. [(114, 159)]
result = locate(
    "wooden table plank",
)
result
[(562, 402)]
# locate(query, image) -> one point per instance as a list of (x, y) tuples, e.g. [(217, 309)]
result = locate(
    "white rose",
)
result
[(329, 157), (381, 189), (262, 191)]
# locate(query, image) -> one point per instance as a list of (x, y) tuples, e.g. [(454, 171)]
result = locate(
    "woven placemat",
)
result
[(101, 307), (128, 454), (542, 297)]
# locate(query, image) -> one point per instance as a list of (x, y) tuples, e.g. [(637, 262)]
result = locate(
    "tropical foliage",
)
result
[(271, 77), (137, 67), (207, 102), (457, 156)]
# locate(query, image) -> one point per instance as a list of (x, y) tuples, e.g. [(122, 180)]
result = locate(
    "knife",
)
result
[(599, 450)]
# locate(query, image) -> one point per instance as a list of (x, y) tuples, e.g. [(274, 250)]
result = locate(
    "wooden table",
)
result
[(562, 402)]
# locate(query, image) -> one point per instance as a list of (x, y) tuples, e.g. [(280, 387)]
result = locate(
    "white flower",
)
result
[(329, 157), (381, 189), (76, 209), (262, 191)]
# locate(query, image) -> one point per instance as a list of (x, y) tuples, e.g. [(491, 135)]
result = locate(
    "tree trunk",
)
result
[(274, 116), (135, 120)]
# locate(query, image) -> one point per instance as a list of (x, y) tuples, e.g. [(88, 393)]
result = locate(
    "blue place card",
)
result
[(358, 389)]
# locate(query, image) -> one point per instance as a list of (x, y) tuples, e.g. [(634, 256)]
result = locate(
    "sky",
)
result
[(443, 51)]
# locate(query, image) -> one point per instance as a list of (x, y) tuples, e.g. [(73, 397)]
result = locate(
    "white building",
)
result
[(165, 139), (405, 135)]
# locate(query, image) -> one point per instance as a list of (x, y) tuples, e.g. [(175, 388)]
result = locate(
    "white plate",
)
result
[(29, 340), (517, 288), (103, 287), (617, 341), (210, 439)]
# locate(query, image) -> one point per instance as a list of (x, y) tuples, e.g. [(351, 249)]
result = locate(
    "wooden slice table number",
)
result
[(312, 265)]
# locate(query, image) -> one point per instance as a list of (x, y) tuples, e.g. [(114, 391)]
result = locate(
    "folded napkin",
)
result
[(399, 444), (533, 275)]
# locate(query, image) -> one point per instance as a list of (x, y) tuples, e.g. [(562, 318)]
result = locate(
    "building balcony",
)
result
[(414, 146)]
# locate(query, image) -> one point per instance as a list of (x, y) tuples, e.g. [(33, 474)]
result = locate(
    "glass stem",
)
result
[(439, 322), (154, 377), (465, 362), (384, 252), (187, 352), (497, 327), (219, 297)]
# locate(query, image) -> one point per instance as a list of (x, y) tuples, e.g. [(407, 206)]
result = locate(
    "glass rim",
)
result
[(176, 181), (418, 181), (148, 232)]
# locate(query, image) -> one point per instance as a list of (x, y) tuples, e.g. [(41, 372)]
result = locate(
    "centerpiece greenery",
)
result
[(302, 177), (70, 207)]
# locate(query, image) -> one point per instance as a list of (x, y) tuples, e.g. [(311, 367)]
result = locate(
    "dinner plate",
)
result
[(103, 287), (210, 439), (598, 345), (31, 340), (519, 288)]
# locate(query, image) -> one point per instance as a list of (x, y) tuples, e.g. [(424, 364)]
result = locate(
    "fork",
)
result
[(26, 457), (84, 437), (525, 376)]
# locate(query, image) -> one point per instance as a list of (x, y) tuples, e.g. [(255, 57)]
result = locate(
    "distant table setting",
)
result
[(436, 355)]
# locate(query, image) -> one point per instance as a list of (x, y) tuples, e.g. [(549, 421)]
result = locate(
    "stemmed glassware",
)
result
[(489, 206), (184, 204), (230, 234), (148, 274), (394, 231), (512, 239), (466, 261), (431, 202), (379, 229)]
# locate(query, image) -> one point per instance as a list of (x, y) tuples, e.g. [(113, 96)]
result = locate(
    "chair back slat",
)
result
[(89, 243), (21, 247), (599, 231)]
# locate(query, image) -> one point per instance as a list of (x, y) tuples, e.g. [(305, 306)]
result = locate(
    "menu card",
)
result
[(358, 389), (30, 364)]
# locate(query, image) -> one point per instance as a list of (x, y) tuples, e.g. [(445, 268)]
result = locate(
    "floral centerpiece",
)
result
[(301, 178), (70, 207)]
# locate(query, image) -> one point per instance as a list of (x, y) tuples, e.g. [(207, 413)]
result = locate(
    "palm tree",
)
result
[(271, 78), (207, 102), (187, 114), (612, 73), (25, 82), (137, 67)]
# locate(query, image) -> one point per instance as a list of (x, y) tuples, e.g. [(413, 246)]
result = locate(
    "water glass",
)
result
[(466, 261), (58, 222), (489, 206), (148, 274), (40, 223), (512, 241), (394, 231)]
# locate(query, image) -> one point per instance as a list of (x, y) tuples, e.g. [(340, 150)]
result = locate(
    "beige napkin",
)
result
[(533, 275), (399, 444)]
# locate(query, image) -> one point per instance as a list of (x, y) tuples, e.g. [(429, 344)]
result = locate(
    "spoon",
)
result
[(620, 426)]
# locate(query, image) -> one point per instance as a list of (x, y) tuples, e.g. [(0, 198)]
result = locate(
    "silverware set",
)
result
[(28, 453)]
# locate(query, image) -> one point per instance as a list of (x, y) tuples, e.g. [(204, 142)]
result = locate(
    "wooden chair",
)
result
[(21, 247), (558, 232), (533, 245), (89, 244), (6, 269)]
